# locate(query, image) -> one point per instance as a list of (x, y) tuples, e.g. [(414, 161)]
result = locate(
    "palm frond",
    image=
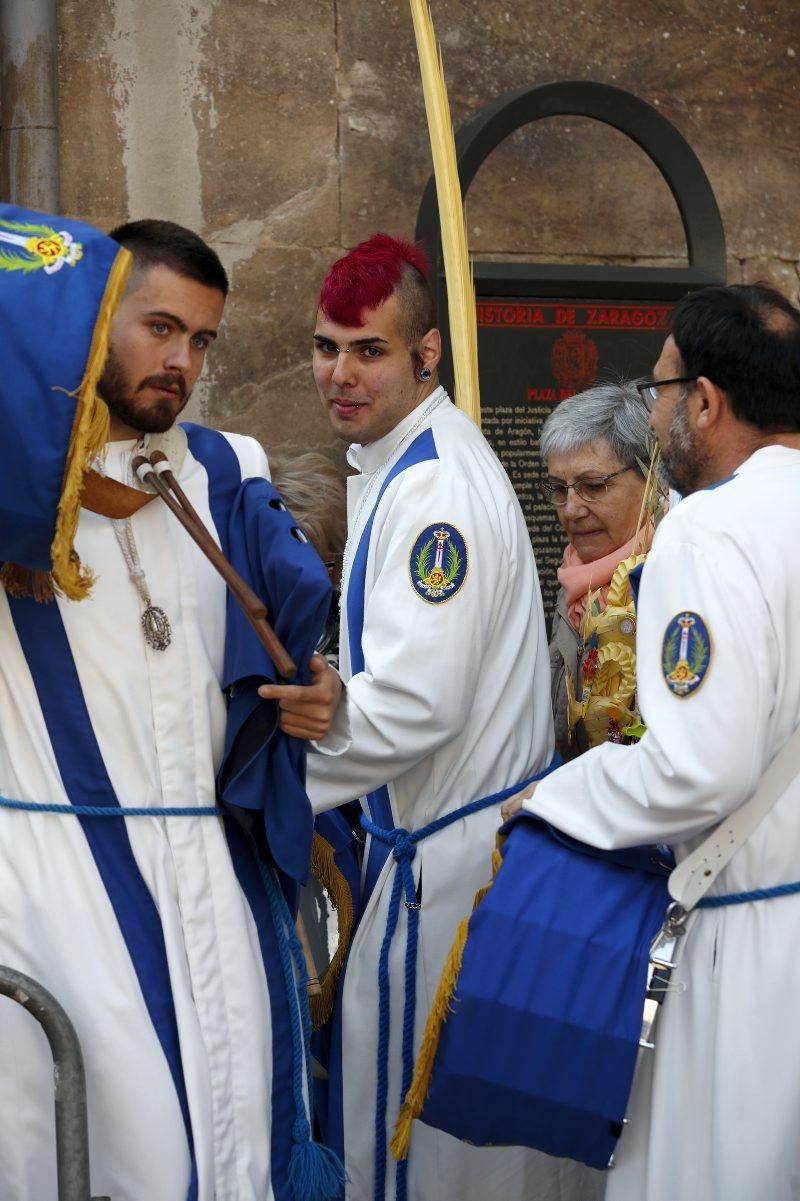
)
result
[(653, 499), (34, 231), (457, 269), (17, 262), (422, 561), (453, 562)]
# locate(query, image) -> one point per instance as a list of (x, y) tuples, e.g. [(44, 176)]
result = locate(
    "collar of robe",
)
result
[(108, 497)]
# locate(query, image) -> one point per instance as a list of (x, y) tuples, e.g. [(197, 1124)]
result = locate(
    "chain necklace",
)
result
[(374, 477), (155, 623)]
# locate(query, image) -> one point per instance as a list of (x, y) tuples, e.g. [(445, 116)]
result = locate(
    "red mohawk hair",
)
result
[(368, 275)]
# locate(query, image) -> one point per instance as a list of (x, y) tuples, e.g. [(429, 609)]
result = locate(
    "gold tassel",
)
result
[(414, 1099), (89, 436), (442, 1005), (324, 869), (457, 269)]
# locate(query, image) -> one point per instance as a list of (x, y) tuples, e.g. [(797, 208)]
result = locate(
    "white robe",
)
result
[(453, 703), (715, 1111), (159, 719)]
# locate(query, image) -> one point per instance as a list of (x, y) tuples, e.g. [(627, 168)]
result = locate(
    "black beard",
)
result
[(147, 418), (683, 465)]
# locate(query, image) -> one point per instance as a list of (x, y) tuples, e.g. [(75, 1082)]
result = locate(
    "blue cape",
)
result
[(263, 769)]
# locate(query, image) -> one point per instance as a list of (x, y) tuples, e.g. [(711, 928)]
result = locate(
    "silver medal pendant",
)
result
[(156, 628)]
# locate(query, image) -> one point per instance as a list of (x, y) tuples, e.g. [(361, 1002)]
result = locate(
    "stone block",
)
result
[(781, 274), (572, 188), (290, 132), (259, 373), (91, 134), (268, 120), (26, 174)]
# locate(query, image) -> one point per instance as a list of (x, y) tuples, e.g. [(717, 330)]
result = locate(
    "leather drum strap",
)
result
[(695, 874), (110, 498)]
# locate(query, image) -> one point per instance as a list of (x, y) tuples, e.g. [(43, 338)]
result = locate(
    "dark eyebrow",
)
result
[(319, 338), (182, 326)]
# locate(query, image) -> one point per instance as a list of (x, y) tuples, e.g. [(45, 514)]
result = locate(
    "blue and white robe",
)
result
[(447, 700), (714, 1109), (141, 929)]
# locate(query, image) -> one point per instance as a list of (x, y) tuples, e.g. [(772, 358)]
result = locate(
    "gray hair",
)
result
[(611, 412)]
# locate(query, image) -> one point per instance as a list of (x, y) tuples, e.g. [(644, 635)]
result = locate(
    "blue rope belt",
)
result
[(403, 845), (315, 1171), (755, 894), (115, 810)]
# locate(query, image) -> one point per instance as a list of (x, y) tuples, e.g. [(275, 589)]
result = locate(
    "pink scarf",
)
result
[(578, 578)]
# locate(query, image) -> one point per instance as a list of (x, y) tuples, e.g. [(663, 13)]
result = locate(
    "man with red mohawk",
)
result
[(444, 655)]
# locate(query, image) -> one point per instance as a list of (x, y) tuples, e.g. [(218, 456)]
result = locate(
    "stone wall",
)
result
[(286, 132)]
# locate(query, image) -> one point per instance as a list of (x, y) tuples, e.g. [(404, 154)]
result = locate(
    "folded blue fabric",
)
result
[(264, 769), (541, 1044)]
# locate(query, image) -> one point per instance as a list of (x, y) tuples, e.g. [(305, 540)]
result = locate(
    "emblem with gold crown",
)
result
[(35, 247)]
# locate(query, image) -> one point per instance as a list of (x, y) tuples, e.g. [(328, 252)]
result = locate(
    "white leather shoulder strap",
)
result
[(693, 877)]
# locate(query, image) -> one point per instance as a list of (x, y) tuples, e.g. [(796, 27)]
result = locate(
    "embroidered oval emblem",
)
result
[(30, 247), (685, 653), (438, 563)]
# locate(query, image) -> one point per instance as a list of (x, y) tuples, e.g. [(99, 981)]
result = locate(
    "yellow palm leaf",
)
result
[(457, 269)]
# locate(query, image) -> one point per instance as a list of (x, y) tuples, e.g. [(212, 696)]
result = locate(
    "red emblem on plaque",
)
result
[(574, 361)]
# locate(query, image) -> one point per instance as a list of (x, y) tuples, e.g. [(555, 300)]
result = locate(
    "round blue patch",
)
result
[(685, 653), (439, 562)]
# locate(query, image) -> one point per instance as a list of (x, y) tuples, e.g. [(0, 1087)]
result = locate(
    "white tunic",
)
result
[(715, 1112), (452, 704), (159, 719)]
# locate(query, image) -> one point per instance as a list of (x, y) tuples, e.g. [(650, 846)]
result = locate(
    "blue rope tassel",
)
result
[(315, 1172), (404, 847)]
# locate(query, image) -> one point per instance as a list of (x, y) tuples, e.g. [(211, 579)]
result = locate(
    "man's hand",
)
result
[(514, 803), (306, 711)]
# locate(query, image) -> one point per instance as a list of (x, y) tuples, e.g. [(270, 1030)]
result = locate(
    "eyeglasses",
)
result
[(649, 389), (557, 492)]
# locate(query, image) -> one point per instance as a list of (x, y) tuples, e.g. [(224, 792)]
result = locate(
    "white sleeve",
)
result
[(704, 750), (250, 453), (422, 658)]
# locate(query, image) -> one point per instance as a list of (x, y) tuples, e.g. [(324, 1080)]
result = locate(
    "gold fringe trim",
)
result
[(442, 1005), (455, 253), (89, 436), (324, 869)]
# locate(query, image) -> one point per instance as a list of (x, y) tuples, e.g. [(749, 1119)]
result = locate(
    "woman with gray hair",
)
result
[(596, 447)]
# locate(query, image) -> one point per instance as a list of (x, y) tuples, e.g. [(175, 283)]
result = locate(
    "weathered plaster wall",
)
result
[(28, 103), (286, 132)]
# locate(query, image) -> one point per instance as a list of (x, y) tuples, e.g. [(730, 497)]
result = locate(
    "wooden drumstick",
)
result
[(253, 608)]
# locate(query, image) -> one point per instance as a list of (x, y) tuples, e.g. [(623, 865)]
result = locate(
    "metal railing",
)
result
[(72, 1132)]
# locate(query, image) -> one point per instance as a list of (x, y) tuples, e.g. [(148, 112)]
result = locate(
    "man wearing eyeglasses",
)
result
[(714, 1111)]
